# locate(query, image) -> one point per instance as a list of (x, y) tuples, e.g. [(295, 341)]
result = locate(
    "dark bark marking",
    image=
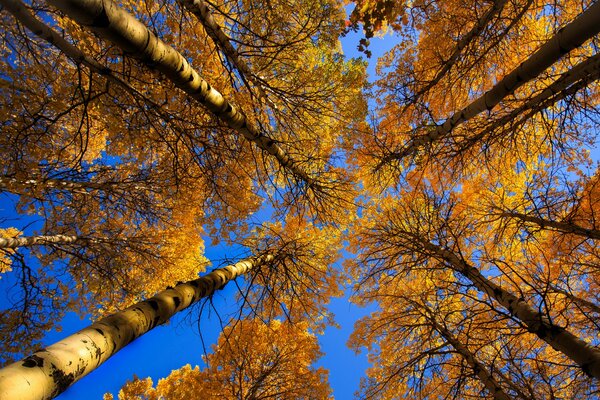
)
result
[(541, 332), (101, 21), (33, 361), (153, 304), (61, 380), (585, 367), (100, 331), (177, 301)]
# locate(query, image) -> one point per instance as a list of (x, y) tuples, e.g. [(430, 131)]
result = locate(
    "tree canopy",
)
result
[(456, 191)]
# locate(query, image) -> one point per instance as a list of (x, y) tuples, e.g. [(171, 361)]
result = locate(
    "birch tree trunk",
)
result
[(48, 372), (584, 27), (116, 25), (27, 241), (582, 353)]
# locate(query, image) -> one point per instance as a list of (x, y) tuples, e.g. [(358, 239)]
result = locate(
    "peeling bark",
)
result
[(112, 23), (50, 371)]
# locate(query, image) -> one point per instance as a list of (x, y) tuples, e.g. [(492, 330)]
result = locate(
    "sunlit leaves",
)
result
[(251, 360)]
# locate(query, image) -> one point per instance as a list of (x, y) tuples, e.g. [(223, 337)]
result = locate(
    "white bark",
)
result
[(27, 241), (114, 24), (48, 372)]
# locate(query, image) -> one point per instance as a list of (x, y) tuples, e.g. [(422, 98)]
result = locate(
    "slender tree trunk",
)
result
[(28, 241), (582, 353), (479, 369), (114, 24), (584, 27), (565, 227), (566, 85), (48, 372)]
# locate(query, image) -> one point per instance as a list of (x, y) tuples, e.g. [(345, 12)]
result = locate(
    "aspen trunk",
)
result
[(584, 27), (114, 24), (50, 371), (26, 241), (564, 227), (582, 353), (479, 369)]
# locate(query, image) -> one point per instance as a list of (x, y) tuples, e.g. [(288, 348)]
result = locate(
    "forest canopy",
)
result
[(454, 192)]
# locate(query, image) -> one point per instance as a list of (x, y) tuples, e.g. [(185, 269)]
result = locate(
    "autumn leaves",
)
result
[(469, 198), (475, 242)]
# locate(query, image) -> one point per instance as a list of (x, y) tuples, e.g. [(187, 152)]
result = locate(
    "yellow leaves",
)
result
[(5, 259), (250, 360)]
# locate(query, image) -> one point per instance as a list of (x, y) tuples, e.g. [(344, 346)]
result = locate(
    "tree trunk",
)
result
[(479, 369), (27, 241), (114, 24), (582, 353), (564, 227), (584, 27), (50, 371), (569, 83)]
